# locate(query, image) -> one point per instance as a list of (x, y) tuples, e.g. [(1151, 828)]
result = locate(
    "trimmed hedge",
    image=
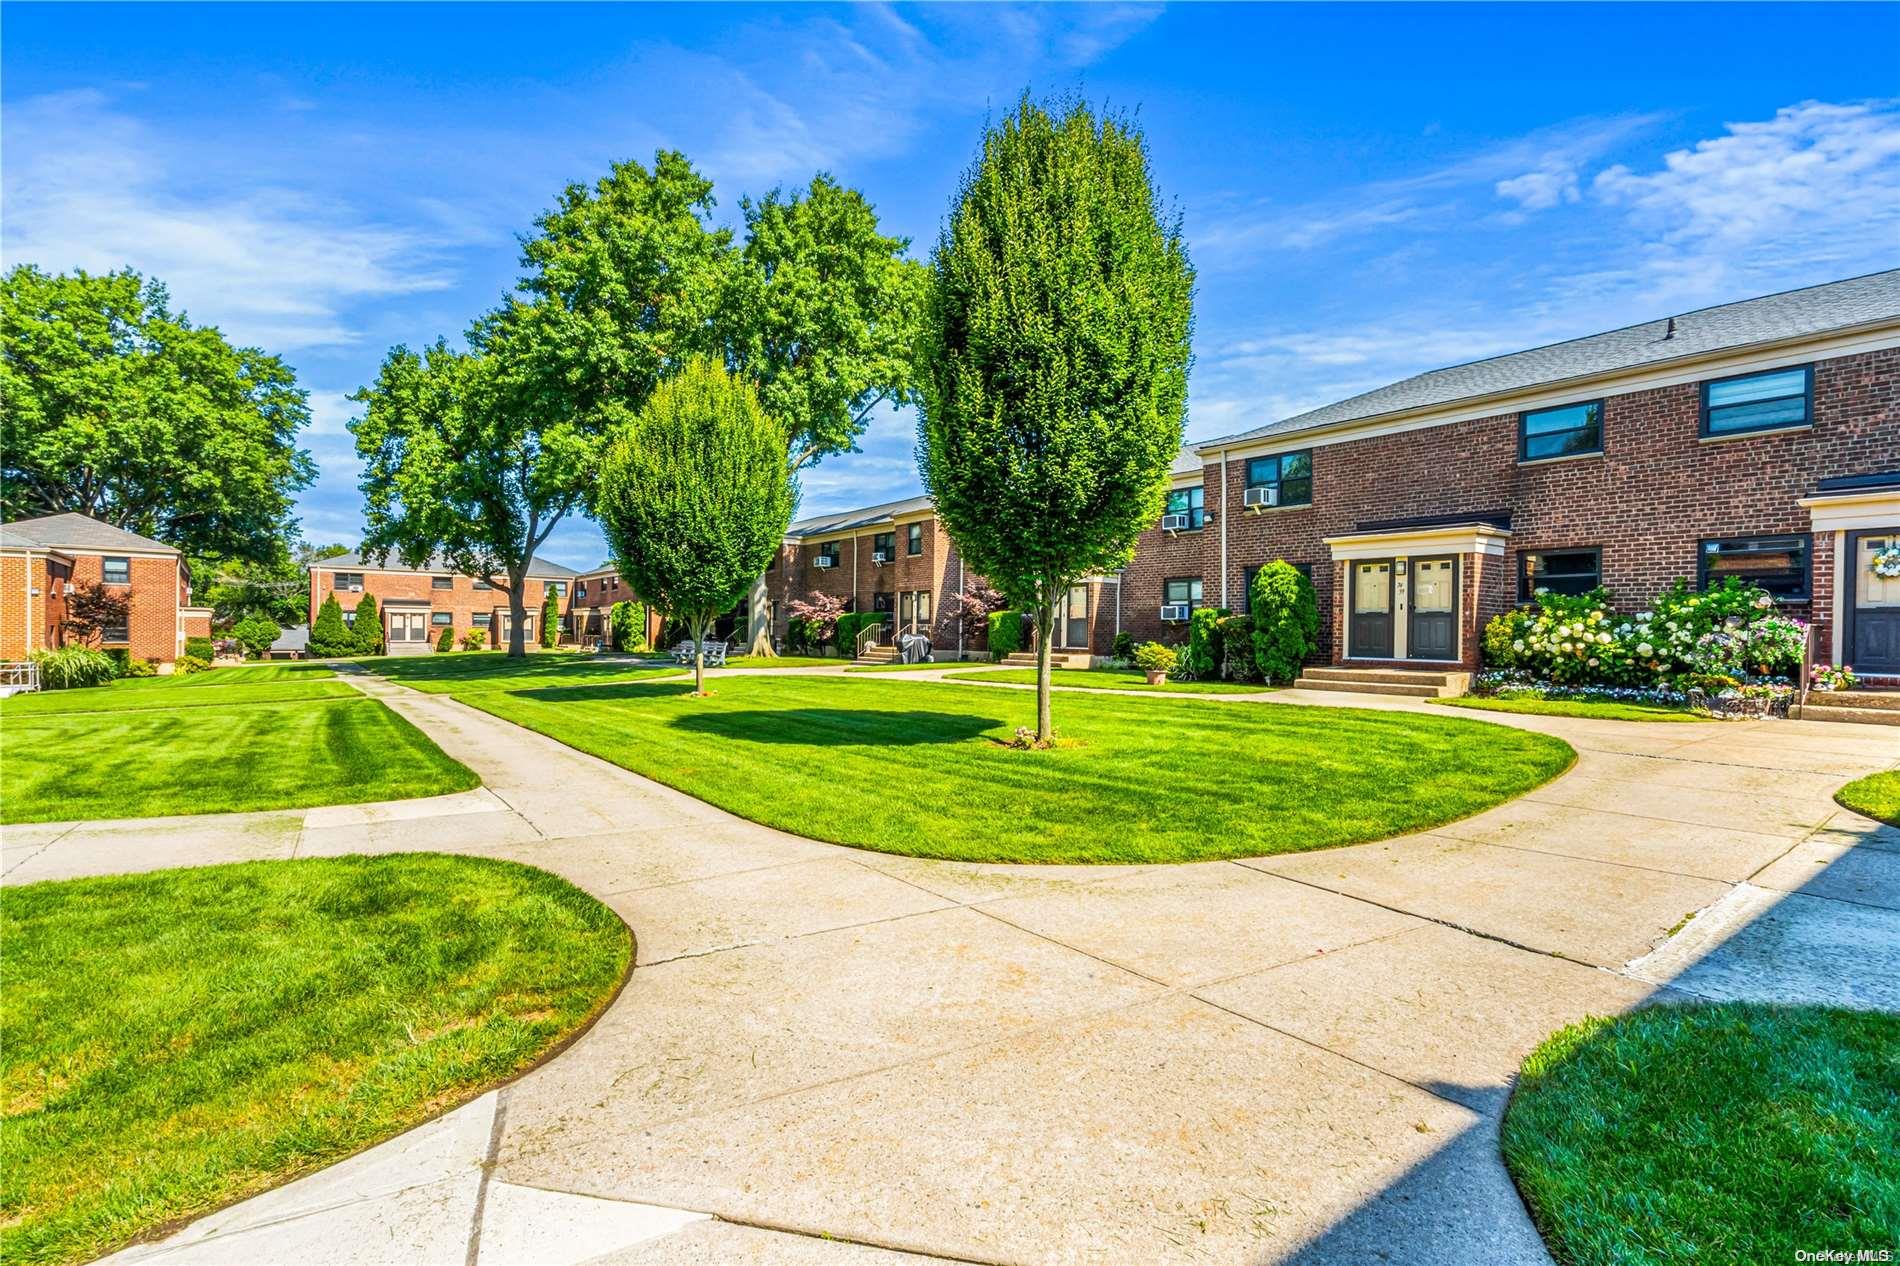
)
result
[(852, 623), (200, 648), (1006, 633), (1285, 620), (446, 642)]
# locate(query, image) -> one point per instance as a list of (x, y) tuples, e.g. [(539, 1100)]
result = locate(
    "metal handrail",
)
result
[(20, 676), (867, 634)]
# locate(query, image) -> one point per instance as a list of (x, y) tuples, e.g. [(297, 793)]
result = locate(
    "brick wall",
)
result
[(462, 600), (1654, 493)]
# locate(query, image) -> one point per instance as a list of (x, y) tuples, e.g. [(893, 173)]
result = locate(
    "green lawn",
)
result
[(1110, 679), (938, 666), (465, 671), (235, 675), (175, 1041), (150, 762), (1731, 1133), (786, 661), (924, 769), (1608, 710), (126, 697), (1876, 795)]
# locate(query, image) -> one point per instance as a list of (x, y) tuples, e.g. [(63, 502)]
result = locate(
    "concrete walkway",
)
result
[(828, 1055)]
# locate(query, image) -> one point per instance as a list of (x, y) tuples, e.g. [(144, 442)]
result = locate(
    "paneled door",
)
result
[(1872, 641), (1369, 628), (1432, 628), (408, 626)]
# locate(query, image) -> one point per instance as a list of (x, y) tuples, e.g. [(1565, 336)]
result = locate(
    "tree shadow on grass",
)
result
[(641, 691), (837, 727)]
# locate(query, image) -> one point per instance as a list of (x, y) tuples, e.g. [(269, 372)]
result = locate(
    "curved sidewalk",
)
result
[(829, 1055)]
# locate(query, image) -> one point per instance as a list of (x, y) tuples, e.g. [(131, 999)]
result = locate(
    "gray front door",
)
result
[(1872, 638), (1432, 632), (1369, 626)]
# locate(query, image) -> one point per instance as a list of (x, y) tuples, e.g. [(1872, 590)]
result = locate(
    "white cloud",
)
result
[(1543, 188), (1812, 193), (87, 186)]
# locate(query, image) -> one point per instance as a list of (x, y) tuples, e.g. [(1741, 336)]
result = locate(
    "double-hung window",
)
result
[(556, 587), (1567, 571), (347, 580), (481, 584), (1291, 474), (1182, 590), (116, 571), (441, 582), (1758, 402), (1778, 564), (914, 539), (442, 619), (580, 589), (885, 543), (1188, 501), (828, 554), (479, 619), (1569, 430)]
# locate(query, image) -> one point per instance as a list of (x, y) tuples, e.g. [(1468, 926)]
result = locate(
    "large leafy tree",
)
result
[(821, 312), (694, 497), (481, 454), (113, 406), (1056, 354), (278, 587)]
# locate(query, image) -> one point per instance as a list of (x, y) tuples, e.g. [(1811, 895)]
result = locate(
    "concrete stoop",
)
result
[(1860, 707), (1411, 683), (877, 655)]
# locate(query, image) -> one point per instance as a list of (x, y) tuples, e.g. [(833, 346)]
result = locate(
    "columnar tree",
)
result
[(550, 619), (367, 629), (1055, 351), (118, 408), (329, 635), (694, 497)]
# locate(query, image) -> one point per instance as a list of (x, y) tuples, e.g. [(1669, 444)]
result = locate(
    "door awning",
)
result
[(1458, 538)]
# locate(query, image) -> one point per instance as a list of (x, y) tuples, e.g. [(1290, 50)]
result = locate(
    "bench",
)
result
[(715, 653)]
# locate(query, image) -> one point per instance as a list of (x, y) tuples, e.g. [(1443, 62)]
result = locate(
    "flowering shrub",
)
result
[(1823, 677), (1730, 630)]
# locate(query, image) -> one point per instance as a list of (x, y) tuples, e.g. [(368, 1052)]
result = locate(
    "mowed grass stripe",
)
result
[(113, 699), (923, 768), (217, 759)]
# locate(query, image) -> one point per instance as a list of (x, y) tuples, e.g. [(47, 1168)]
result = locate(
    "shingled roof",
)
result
[(1837, 305), (76, 532)]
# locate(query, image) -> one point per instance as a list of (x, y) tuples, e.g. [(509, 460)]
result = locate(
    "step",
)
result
[(1413, 690), (1057, 659), (1864, 700), (1861, 716), (1392, 676)]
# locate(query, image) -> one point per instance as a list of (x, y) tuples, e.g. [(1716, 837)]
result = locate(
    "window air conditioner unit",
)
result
[(1174, 612), (1174, 522), (823, 563), (879, 557), (356, 589), (67, 588), (1262, 498)]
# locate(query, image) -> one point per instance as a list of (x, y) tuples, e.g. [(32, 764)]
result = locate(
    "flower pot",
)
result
[(1156, 678)]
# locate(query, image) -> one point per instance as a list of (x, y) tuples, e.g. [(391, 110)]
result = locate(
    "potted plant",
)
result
[(1156, 660)]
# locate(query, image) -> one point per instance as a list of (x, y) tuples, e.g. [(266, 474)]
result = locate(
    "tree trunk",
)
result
[(517, 614), (699, 655), (758, 610), (1045, 633)]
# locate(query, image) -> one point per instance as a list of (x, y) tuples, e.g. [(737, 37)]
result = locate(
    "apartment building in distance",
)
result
[(416, 605), (43, 559)]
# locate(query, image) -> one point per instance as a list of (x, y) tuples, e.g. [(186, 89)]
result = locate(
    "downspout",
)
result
[(854, 573), (1223, 527), (26, 628)]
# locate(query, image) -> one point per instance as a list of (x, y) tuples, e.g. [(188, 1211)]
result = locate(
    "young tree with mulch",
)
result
[(1055, 353), (694, 497)]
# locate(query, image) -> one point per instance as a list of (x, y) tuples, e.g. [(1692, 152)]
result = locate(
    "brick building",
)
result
[(592, 598), (1759, 438), (42, 559), (417, 604)]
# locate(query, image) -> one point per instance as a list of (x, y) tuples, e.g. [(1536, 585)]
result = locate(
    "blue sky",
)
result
[(1367, 191)]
